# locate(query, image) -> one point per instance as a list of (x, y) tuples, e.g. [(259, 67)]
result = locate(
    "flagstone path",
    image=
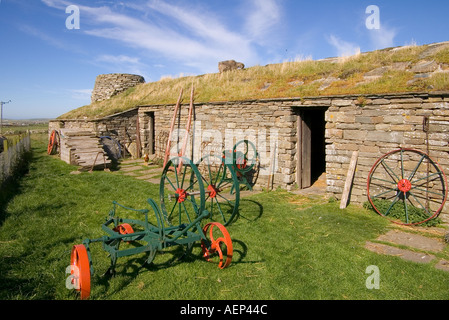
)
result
[(417, 244)]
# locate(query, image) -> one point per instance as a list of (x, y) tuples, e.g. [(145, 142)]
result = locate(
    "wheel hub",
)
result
[(181, 195), (404, 185), (212, 191)]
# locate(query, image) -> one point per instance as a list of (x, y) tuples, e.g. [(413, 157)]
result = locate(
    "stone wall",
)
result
[(122, 127), (108, 85), (218, 126), (371, 124), (375, 125)]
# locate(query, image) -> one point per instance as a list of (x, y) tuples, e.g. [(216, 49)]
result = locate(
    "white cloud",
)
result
[(121, 59), (343, 48), (122, 64), (383, 37), (263, 16), (81, 94), (194, 36)]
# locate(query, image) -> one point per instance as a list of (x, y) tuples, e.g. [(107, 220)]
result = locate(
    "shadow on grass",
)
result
[(130, 269), (249, 210)]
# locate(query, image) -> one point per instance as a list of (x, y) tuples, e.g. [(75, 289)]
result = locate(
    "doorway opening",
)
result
[(149, 145), (311, 146)]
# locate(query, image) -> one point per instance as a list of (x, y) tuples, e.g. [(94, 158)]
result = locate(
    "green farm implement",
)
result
[(191, 196)]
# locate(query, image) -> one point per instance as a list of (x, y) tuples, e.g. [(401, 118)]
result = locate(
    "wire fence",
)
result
[(13, 154)]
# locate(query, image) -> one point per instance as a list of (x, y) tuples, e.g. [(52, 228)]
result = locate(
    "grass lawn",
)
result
[(286, 246)]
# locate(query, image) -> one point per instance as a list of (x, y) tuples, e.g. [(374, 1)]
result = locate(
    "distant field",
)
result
[(22, 126)]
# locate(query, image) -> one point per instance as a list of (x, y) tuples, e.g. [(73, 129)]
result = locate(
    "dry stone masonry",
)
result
[(308, 137), (108, 85), (370, 124)]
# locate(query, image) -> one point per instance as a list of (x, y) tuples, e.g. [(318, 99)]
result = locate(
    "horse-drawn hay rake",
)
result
[(191, 195)]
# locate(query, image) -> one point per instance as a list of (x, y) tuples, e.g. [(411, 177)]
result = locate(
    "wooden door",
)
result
[(150, 143), (304, 152)]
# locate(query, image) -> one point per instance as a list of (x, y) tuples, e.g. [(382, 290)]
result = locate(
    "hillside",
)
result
[(401, 69)]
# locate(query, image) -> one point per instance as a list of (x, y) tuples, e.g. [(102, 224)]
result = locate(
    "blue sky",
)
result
[(47, 69)]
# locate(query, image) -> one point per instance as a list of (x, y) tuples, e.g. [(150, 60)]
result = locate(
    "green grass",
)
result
[(285, 246), (288, 79), (397, 212)]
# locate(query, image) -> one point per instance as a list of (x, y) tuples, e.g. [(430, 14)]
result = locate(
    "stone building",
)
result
[(309, 137), (109, 85)]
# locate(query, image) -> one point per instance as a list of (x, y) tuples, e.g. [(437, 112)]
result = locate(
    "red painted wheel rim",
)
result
[(217, 243), (80, 268)]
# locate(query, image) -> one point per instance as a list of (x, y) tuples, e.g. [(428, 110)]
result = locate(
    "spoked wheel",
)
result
[(218, 244), (221, 188), (243, 159), (80, 269), (112, 147), (181, 192), (244, 156), (53, 142), (407, 186)]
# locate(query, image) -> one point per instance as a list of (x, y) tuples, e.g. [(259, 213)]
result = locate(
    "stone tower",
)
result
[(108, 85)]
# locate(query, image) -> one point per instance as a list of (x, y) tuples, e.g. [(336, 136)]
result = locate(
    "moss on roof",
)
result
[(392, 70)]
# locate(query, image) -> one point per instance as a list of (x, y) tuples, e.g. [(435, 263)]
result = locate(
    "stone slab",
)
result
[(131, 168), (402, 253), (412, 240)]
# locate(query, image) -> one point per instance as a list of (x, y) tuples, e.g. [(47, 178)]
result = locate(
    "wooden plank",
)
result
[(138, 142), (306, 152), (272, 168), (172, 126), (349, 179), (188, 125)]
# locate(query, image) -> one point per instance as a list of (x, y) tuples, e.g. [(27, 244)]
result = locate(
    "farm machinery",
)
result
[(193, 197)]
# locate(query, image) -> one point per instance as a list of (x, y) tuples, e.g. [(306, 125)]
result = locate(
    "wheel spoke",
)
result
[(169, 181), (218, 173), (390, 171), (383, 180), (428, 191), (416, 168), (422, 206), (417, 186), (406, 208), (437, 174), (385, 192), (187, 213), (221, 211), (183, 175), (392, 204)]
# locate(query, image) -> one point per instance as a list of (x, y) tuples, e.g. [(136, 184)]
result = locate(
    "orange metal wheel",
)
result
[(52, 142), (220, 244), (80, 268)]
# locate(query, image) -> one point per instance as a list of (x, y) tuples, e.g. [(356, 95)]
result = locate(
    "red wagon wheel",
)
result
[(80, 269), (53, 142), (220, 244), (407, 186)]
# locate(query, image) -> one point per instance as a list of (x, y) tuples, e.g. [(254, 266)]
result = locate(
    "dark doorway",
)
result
[(311, 151), (149, 133)]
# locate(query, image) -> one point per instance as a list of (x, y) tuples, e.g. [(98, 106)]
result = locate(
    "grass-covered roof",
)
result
[(392, 70)]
